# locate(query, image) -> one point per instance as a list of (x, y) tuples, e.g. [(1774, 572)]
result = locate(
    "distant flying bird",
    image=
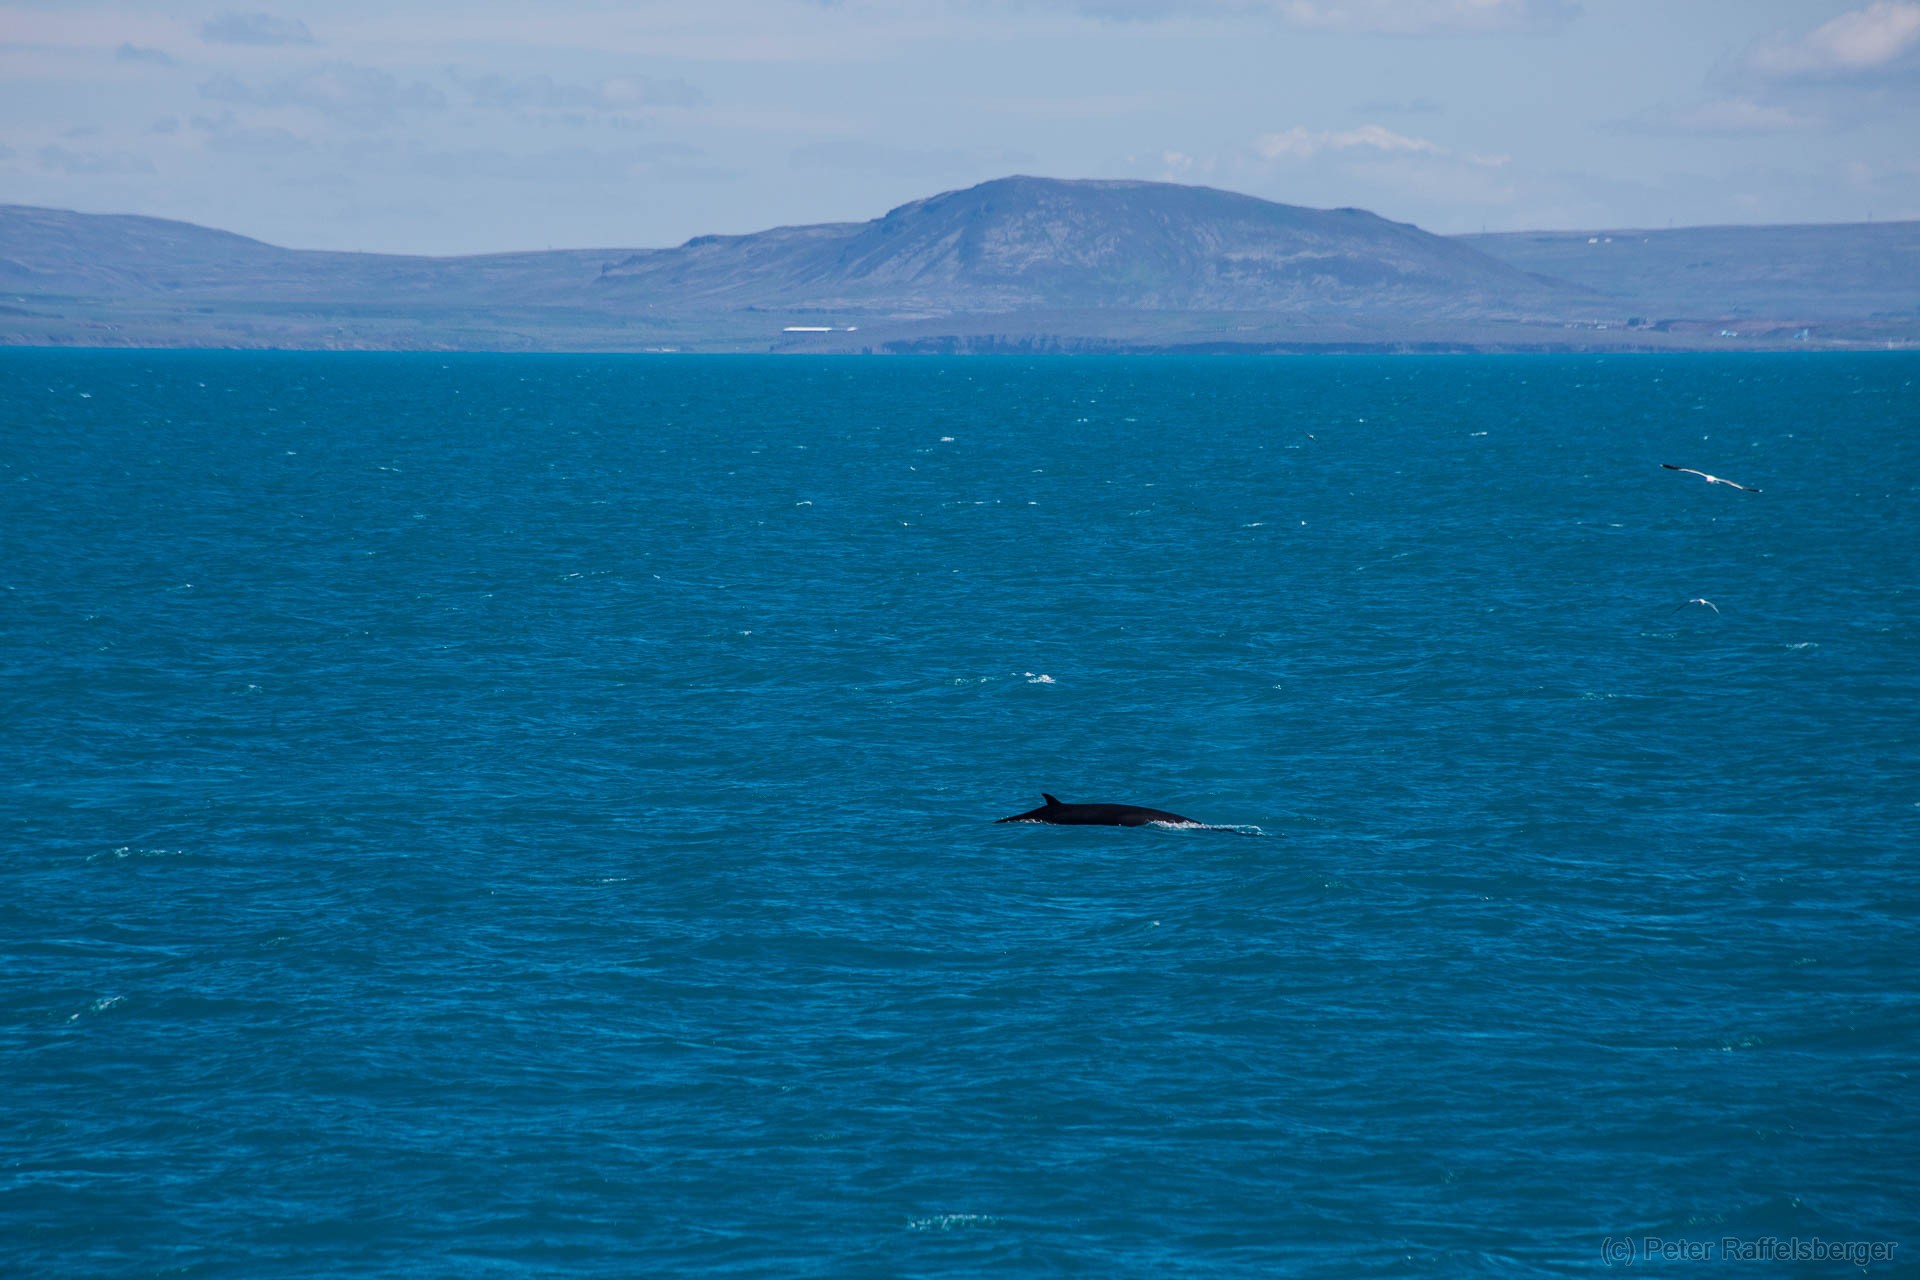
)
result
[(1709, 479), (1697, 600)]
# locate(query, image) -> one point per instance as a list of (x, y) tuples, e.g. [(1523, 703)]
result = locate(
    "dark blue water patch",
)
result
[(519, 816)]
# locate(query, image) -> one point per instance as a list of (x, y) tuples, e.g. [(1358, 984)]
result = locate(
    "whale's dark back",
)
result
[(1095, 815)]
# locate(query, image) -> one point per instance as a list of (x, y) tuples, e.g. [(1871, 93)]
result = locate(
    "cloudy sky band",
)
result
[(424, 127)]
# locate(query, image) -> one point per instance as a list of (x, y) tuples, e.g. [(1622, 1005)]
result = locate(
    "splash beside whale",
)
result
[(1098, 815)]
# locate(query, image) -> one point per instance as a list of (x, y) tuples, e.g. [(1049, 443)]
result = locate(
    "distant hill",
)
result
[(111, 256), (1024, 244), (1811, 274), (1020, 263)]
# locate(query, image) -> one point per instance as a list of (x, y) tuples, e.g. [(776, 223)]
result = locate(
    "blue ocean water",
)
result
[(525, 816)]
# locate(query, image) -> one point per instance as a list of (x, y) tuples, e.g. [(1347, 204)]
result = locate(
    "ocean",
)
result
[(517, 816)]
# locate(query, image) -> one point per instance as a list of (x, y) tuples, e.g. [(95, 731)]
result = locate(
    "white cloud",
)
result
[(1175, 166), (1865, 40), (1375, 167), (255, 28), (1304, 144)]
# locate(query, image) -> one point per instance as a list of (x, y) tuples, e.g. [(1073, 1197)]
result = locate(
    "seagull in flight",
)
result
[(1697, 600), (1709, 479)]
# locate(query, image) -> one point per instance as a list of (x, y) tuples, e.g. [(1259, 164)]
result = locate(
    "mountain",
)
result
[(1026, 244), (1016, 264)]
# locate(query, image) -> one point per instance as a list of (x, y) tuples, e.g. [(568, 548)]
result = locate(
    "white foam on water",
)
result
[(951, 1221), (133, 851), (101, 1005), (1238, 828)]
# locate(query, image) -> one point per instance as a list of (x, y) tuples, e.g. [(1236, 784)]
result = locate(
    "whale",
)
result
[(1096, 815)]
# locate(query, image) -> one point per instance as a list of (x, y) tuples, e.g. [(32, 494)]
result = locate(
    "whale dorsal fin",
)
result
[(1049, 799)]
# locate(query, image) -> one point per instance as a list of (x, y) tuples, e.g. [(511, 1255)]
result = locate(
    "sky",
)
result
[(473, 126)]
